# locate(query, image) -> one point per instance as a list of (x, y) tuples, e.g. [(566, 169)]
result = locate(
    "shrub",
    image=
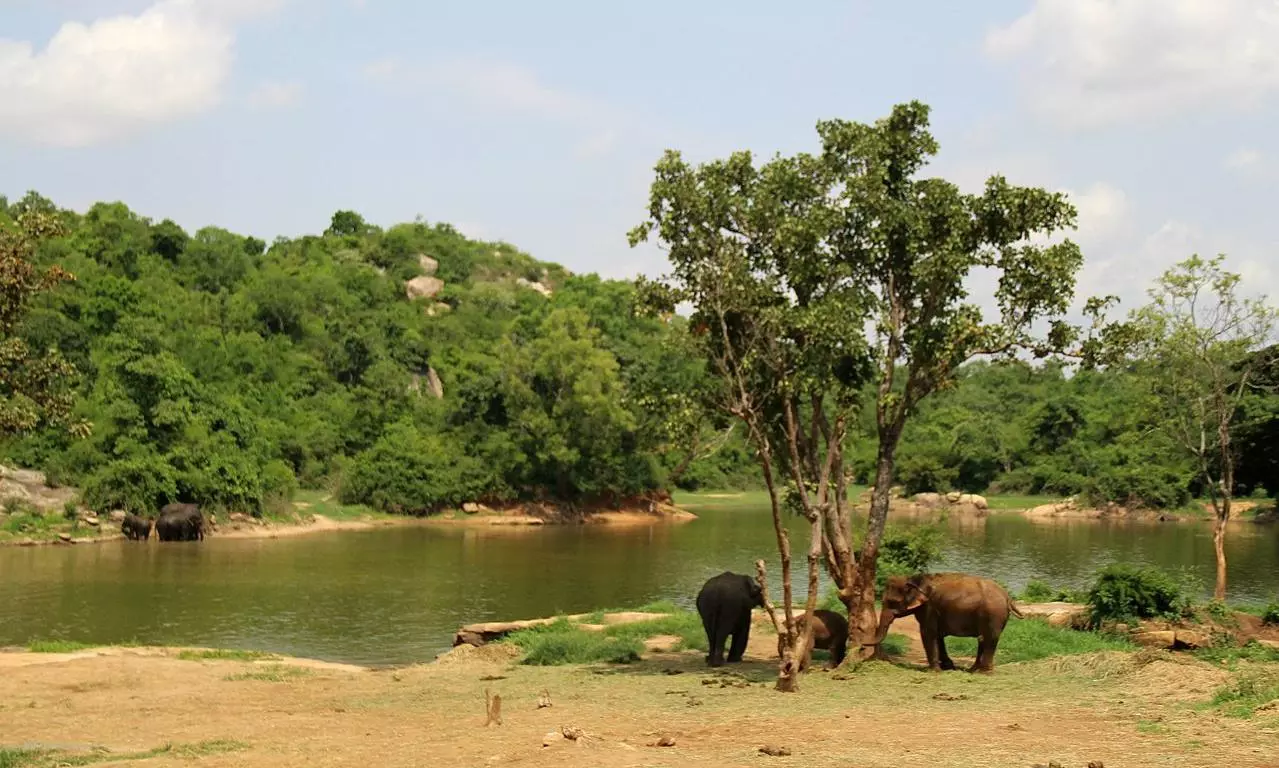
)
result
[(560, 642), (69, 509), (1038, 592), (1127, 593), (139, 485), (407, 472), (907, 551), (1270, 614)]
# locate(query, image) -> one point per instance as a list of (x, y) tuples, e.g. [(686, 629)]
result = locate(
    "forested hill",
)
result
[(410, 368)]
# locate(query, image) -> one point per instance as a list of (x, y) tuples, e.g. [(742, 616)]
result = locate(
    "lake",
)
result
[(396, 595)]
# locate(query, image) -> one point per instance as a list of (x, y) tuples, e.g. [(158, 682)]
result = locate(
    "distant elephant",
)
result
[(724, 603), (180, 522), (949, 604), (136, 528), (829, 634)]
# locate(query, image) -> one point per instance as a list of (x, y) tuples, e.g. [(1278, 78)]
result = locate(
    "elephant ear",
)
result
[(916, 593)]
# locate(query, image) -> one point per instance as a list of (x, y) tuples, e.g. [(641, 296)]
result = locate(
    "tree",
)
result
[(787, 266), (1201, 345), (35, 387)]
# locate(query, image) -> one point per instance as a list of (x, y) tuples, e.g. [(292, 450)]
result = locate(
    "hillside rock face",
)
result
[(423, 287), (30, 487), (542, 289)]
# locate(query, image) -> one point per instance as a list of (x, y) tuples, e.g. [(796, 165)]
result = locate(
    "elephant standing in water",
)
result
[(136, 528), (725, 604), (180, 522), (954, 604)]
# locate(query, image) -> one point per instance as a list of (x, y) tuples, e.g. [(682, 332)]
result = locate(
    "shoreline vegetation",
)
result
[(320, 512)]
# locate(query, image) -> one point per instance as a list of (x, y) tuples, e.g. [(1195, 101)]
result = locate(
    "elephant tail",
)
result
[(1012, 608)]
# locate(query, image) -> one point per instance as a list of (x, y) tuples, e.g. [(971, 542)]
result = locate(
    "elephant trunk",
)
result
[(886, 619)]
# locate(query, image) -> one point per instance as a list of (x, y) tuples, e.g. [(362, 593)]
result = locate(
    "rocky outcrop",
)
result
[(539, 287), (486, 632), (423, 287), (962, 502), (26, 486)]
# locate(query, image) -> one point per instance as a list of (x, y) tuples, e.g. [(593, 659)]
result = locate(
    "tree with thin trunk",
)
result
[(1200, 348), (813, 276)]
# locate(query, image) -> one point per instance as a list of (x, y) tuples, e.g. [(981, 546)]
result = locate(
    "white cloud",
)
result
[(1092, 62), (598, 145), (503, 87), (276, 95), (1244, 159), (115, 76), (1103, 212)]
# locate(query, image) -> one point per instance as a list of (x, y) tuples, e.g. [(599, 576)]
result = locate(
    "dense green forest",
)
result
[(412, 368)]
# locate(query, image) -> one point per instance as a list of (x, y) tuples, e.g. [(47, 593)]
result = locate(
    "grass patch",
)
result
[(223, 654), (1037, 591), (1242, 697), (895, 644), (1011, 502), (562, 642), (272, 673), (326, 503), (1230, 656), (43, 758), (1151, 727), (1033, 639), (685, 625), (57, 646)]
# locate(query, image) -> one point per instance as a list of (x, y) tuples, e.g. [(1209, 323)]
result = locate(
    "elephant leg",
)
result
[(928, 635), (942, 656), (986, 645), (715, 635), (838, 647), (741, 635)]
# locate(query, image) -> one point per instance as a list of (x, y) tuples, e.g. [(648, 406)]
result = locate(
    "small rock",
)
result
[(91, 521), (240, 517), (64, 537), (1193, 640), (772, 751), (116, 516), (572, 733), (1061, 619), (1096, 764), (950, 697), (470, 508), (554, 737), (953, 497), (665, 741)]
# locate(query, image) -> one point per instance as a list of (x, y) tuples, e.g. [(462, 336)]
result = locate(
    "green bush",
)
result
[(407, 472), (1270, 614), (1034, 639), (1037, 591), (561, 642), (1127, 593), (140, 484)]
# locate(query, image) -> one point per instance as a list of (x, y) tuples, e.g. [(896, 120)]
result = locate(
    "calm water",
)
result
[(395, 596)]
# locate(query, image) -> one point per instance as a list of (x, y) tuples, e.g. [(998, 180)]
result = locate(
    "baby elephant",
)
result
[(136, 528), (830, 633)]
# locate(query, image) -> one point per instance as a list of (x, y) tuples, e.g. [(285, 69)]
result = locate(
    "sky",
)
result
[(539, 123)]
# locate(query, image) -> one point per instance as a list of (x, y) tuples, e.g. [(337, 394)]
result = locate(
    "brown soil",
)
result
[(1130, 710)]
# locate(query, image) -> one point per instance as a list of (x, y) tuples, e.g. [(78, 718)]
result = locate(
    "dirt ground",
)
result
[(1122, 710)]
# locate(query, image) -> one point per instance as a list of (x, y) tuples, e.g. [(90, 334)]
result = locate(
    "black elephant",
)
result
[(725, 604), (180, 522), (135, 527)]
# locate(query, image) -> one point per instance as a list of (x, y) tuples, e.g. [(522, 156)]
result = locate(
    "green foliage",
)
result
[(222, 654), (686, 625), (907, 551), (271, 673), (1230, 655), (1037, 591), (562, 642), (220, 372), (1270, 614), (1127, 593)]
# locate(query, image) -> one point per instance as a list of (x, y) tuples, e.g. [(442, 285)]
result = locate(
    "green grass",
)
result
[(44, 758), (222, 654), (685, 625), (1033, 639), (1151, 727), (57, 646), (271, 673), (326, 503), (895, 644), (1242, 697), (1037, 591), (563, 642), (1010, 502), (1230, 656), (729, 500)]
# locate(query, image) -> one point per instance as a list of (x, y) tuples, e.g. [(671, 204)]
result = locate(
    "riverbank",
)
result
[(44, 516), (1111, 707)]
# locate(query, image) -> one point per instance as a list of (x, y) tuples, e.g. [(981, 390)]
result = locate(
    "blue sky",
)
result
[(538, 123)]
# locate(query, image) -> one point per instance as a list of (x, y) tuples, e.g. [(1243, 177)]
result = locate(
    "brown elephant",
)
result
[(949, 604), (830, 633)]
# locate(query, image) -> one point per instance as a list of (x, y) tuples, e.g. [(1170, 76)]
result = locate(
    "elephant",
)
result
[(830, 633), (724, 603), (954, 604), (136, 528), (180, 522)]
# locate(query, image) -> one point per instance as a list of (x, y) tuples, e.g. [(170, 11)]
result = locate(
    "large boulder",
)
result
[(1164, 638), (977, 501), (428, 264), (423, 287), (929, 499), (540, 288)]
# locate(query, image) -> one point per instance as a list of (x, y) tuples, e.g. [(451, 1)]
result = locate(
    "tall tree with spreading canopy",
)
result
[(1202, 345), (35, 385), (813, 275)]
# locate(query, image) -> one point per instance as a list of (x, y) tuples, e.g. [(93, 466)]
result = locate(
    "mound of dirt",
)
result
[(493, 653)]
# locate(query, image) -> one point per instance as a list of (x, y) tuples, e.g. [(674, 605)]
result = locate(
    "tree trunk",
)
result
[(863, 623), (788, 670), (1219, 545)]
